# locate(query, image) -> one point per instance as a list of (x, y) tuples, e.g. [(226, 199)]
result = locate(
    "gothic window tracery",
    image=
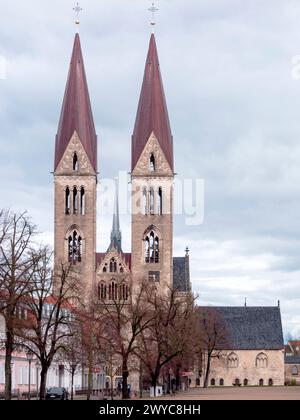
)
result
[(75, 247), (151, 242), (113, 266)]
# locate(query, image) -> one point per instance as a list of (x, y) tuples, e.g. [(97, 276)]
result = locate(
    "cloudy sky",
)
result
[(234, 105)]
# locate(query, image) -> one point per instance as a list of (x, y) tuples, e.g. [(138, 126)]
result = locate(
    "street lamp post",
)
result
[(29, 356)]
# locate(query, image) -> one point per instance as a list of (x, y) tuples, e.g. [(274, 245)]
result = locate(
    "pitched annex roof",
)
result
[(251, 328), (152, 114), (76, 113), (292, 360)]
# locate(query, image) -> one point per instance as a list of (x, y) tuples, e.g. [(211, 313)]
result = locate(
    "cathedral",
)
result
[(254, 354), (152, 176)]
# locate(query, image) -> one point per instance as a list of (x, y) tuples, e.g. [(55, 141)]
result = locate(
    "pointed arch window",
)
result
[(113, 266), (261, 360), (151, 243), (82, 201), (102, 291), (151, 201), (75, 247), (144, 202), (159, 202), (68, 201), (233, 360), (75, 200), (152, 163), (124, 292), (113, 291), (75, 163)]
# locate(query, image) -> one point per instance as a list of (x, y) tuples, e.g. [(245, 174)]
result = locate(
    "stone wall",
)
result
[(246, 368)]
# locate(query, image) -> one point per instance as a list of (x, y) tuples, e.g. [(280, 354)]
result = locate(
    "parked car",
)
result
[(58, 393)]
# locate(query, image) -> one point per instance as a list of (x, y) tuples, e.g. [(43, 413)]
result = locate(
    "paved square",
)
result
[(243, 393)]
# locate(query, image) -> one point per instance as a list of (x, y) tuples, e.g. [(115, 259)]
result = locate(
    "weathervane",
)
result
[(77, 9), (153, 10)]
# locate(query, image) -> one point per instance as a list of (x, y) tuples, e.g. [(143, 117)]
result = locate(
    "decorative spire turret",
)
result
[(116, 235)]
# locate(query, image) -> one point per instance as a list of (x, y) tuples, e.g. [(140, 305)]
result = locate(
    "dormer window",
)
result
[(75, 163), (152, 163)]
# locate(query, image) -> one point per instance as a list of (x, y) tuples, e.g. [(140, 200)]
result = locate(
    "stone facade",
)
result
[(104, 276), (152, 208), (245, 368), (77, 215)]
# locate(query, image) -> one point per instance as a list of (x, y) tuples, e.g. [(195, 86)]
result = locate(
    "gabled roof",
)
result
[(101, 255), (251, 328), (152, 114), (292, 360), (76, 113)]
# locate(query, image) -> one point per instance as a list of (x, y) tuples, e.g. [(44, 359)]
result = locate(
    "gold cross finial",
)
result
[(153, 9), (77, 9)]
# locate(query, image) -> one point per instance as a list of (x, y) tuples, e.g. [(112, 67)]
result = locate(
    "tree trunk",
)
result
[(9, 346), (178, 378), (72, 384), (154, 378), (43, 384), (125, 374), (207, 371), (90, 376)]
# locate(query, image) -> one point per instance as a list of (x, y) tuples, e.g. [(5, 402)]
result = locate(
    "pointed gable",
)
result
[(76, 113), (152, 114)]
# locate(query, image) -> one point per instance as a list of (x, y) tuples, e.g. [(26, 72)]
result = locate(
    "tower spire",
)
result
[(116, 235), (76, 114), (152, 115)]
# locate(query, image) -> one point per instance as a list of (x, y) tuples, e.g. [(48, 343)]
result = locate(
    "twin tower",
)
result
[(112, 275)]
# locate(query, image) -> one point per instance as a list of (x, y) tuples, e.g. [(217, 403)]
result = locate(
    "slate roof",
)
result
[(181, 275), (76, 113), (251, 328), (292, 360), (152, 113)]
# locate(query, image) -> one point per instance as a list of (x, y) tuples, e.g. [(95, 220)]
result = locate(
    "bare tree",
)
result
[(168, 334), (52, 317), (17, 268), (71, 355), (123, 318), (210, 337)]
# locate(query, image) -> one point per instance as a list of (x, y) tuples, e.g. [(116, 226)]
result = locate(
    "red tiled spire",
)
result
[(76, 113), (152, 114)]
